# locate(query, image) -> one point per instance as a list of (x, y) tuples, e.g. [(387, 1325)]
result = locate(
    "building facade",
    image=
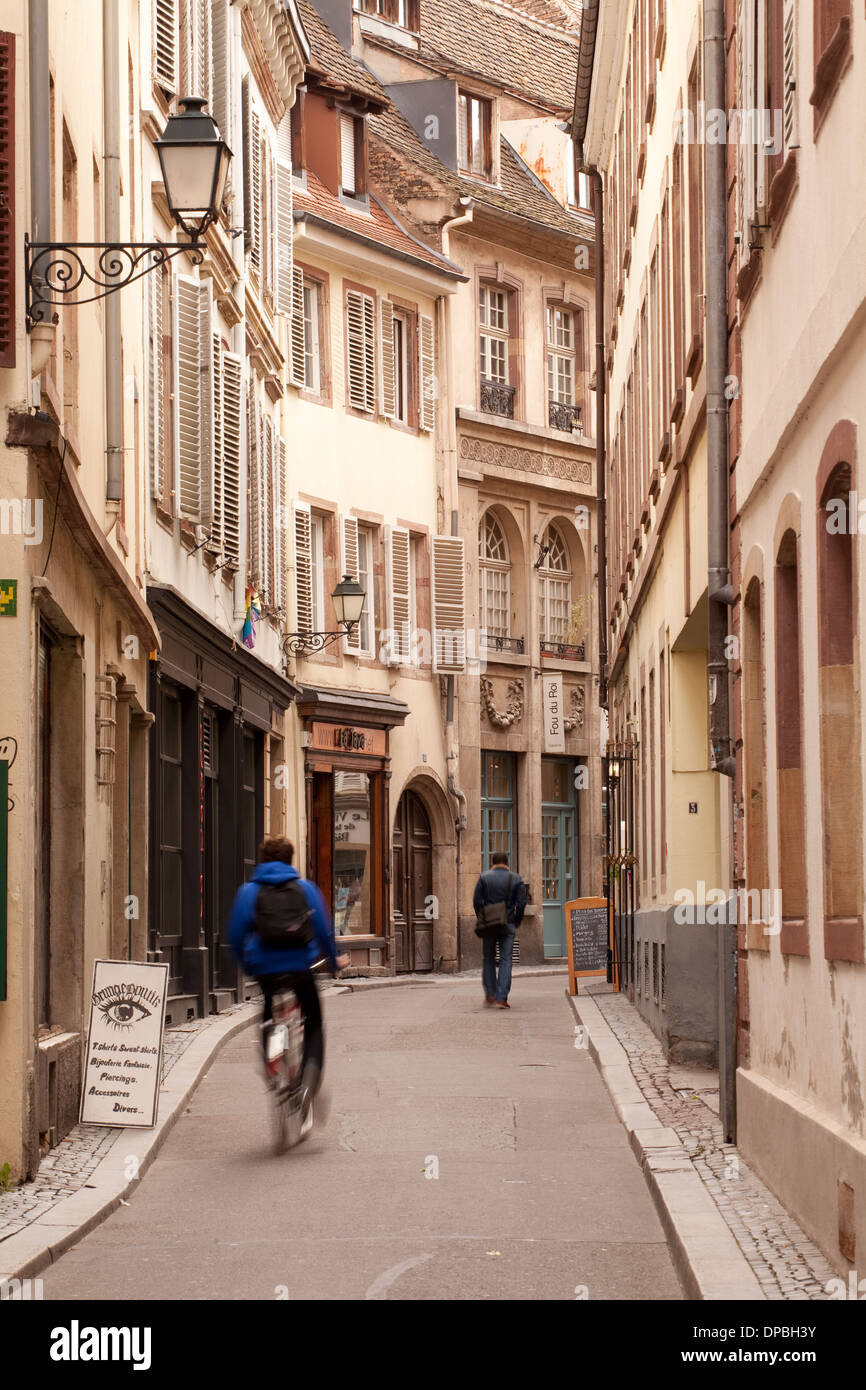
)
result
[(633, 122), (797, 428)]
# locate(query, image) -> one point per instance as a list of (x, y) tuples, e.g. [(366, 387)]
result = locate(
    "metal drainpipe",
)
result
[(111, 163), (719, 588), (601, 415), (718, 480), (449, 458), (40, 122)]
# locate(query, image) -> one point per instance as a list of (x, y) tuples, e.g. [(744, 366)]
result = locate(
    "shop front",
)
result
[(347, 775), (219, 716)]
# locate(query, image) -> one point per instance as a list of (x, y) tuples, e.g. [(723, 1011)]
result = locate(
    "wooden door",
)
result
[(412, 886)]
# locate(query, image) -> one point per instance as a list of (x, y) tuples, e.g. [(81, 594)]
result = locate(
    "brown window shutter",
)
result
[(7, 200)]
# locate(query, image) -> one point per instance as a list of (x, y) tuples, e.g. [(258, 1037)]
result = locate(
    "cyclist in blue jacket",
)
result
[(277, 968)]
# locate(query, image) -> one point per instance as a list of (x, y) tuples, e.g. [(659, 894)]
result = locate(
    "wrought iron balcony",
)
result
[(497, 399), (503, 644), (565, 417), (564, 651)]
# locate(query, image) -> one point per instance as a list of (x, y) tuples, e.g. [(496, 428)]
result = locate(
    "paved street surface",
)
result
[(537, 1195)]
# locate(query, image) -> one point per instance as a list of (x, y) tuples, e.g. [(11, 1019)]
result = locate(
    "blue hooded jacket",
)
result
[(255, 958)]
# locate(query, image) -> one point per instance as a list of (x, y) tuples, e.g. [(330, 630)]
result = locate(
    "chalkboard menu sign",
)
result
[(587, 929)]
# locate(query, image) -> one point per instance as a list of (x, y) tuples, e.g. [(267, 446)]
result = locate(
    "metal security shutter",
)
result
[(349, 534), (361, 351), (426, 364), (193, 395), (232, 445), (398, 595), (387, 360), (298, 346), (7, 200), (449, 605), (164, 29), (304, 566), (348, 179)]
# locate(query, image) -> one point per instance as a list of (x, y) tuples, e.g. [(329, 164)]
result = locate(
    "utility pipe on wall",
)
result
[(111, 174), (40, 122)]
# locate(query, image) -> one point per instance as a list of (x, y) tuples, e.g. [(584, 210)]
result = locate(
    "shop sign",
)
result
[(345, 738), (554, 714), (351, 828), (123, 1062)]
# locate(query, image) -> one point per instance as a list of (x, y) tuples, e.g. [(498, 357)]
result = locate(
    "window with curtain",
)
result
[(555, 588), (495, 577)]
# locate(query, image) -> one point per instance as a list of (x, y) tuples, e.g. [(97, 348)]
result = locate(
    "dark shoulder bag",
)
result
[(493, 917)]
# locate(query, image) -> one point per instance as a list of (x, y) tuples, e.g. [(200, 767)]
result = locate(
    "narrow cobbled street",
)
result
[(532, 1193)]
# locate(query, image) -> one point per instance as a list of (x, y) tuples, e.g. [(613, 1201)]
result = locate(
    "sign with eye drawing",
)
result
[(123, 1062)]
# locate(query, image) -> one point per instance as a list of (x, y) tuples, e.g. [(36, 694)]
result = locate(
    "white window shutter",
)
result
[(349, 534), (761, 153), (164, 28), (254, 455), (304, 566), (449, 605), (790, 125), (298, 353), (156, 404), (232, 452), (206, 399), (426, 365), (283, 279), (188, 397), (361, 351), (268, 510), (281, 522), (217, 509), (387, 360), (196, 49), (398, 589), (347, 154), (252, 141), (222, 104)]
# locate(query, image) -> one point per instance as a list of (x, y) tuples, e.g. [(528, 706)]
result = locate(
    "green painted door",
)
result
[(558, 873)]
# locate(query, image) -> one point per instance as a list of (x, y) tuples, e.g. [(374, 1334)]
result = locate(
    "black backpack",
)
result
[(282, 917)]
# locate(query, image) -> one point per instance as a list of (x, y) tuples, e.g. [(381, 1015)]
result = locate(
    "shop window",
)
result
[(352, 845), (495, 575), (498, 787)]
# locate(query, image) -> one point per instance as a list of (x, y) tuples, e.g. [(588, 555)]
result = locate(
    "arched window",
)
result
[(495, 570), (839, 708), (555, 588)]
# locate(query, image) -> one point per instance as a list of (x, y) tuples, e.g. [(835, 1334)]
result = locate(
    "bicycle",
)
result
[(284, 1057)]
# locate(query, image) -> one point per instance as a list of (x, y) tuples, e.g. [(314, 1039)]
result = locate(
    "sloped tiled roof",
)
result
[(562, 13), (499, 43), (376, 226), (330, 62), (519, 193)]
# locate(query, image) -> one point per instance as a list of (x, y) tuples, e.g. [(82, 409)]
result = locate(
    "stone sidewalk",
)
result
[(68, 1167), (786, 1264)]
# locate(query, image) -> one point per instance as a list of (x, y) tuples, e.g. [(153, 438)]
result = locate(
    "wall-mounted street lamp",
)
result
[(194, 160), (348, 599)]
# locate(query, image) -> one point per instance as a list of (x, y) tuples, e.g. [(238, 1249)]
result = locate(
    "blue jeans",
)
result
[(498, 984)]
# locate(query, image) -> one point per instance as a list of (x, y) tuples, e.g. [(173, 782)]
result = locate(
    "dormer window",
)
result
[(403, 13), (474, 139), (353, 170)]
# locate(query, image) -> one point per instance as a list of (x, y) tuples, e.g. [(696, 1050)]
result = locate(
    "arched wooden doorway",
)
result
[(412, 886)]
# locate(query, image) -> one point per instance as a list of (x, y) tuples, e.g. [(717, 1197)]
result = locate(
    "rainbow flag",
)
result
[(253, 616)]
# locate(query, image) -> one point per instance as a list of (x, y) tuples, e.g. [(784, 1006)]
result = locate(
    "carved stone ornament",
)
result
[(578, 709), (486, 451), (513, 712)]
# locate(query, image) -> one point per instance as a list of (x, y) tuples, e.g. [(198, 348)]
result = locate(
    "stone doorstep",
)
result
[(710, 1264), (44, 1240)]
